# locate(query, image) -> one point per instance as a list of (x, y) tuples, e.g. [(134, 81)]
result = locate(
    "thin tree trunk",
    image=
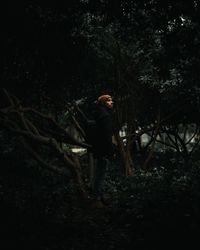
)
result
[(125, 156)]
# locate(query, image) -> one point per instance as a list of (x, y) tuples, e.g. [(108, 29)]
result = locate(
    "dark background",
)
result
[(145, 52)]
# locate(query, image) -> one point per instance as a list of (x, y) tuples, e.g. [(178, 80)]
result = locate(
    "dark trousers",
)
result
[(99, 176)]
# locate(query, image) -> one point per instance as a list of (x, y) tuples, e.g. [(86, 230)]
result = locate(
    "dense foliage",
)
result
[(55, 56)]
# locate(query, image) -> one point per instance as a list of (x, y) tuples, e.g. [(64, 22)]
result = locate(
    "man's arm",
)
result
[(106, 125)]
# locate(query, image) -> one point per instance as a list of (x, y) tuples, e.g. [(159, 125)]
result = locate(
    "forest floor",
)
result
[(41, 217)]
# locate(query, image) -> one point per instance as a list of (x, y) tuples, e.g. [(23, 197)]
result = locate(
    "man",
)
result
[(102, 146)]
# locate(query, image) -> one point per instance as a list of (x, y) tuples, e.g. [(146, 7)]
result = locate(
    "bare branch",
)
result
[(9, 97), (41, 161)]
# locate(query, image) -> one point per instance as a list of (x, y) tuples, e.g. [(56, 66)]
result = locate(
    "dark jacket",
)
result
[(102, 145)]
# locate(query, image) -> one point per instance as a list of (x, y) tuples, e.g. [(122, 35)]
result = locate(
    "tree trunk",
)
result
[(125, 156)]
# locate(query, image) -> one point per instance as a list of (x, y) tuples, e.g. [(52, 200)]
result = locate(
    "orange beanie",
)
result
[(104, 98)]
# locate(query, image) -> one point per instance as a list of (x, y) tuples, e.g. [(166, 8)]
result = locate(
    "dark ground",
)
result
[(37, 213)]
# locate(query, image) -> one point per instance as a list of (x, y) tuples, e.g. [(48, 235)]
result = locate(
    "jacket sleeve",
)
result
[(105, 122)]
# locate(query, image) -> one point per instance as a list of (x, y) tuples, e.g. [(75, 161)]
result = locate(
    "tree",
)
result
[(37, 130)]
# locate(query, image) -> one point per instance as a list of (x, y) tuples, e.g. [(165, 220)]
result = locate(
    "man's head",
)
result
[(106, 100)]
